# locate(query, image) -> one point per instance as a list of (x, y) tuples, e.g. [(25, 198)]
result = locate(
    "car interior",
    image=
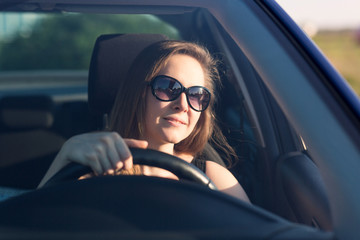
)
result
[(273, 167)]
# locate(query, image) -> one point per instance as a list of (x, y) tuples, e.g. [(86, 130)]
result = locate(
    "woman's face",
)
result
[(171, 122)]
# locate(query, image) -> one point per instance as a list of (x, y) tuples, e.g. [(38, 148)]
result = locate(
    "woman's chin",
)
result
[(173, 140)]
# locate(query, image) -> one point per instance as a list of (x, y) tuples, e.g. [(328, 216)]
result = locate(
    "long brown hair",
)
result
[(128, 113)]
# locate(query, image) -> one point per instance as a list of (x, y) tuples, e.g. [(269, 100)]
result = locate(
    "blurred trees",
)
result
[(65, 41), (342, 49)]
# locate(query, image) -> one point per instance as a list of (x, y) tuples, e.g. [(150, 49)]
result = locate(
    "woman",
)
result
[(165, 104)]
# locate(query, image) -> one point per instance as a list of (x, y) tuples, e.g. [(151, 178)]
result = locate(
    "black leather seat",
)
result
[(28, 144)]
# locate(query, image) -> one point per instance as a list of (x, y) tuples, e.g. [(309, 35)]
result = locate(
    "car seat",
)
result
[(28, 145)]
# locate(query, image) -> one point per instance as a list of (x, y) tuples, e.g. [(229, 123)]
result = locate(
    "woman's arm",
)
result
[(225, 181)]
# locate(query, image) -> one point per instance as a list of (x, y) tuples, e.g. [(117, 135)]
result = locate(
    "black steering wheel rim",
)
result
[(182, 169)]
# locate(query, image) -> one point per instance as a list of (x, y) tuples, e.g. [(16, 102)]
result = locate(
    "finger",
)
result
[(126, 160), (92, 160), (102, 157), (123, 154), (136, 143), (88, 175), (120, 145), (128, 163), (114, 158), (112, 155)]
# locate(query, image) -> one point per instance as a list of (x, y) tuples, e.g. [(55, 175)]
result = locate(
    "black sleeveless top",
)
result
[(208, 154), (199, 163)]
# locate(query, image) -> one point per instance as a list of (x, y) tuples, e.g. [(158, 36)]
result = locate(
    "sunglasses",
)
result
[(168, 89)]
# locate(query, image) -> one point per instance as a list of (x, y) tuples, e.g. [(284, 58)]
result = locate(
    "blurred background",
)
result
[(334, 25)]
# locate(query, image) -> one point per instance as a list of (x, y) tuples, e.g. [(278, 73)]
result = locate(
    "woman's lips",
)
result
[(175, 120)]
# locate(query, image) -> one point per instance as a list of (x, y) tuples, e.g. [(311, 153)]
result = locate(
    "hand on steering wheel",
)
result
[(182, 169)]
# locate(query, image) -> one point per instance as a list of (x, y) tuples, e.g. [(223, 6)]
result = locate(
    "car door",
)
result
[(277, 171)]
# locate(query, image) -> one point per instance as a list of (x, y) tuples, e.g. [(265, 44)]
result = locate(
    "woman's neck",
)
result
[(169, 149), (185, 156), (158, 172), (166, 148)]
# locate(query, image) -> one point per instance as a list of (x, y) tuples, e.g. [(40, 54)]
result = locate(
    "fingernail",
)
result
[(119, 164)]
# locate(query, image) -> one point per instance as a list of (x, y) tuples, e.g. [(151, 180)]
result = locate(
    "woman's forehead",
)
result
[(186, 69)]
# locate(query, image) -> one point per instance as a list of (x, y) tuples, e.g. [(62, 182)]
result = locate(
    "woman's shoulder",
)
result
[(225, 181)]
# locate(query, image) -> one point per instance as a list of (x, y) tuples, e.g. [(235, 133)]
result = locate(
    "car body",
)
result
[(290, 116)]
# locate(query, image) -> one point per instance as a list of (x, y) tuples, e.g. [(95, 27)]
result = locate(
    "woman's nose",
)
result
[(181, 103)]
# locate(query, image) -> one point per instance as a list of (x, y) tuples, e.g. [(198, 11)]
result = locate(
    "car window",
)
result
[(67, 39), (335, 30), (44, 62), (52, 50)]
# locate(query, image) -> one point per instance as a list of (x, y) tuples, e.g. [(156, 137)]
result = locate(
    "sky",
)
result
[(324, 14)]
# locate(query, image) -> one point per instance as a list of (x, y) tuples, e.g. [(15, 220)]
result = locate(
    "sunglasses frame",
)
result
[(183, 90)]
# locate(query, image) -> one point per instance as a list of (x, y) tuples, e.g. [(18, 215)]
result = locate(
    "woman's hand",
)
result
[(103, 152)]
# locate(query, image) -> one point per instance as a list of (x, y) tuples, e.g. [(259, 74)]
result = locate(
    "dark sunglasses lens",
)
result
[(199, 98), (166, 89)]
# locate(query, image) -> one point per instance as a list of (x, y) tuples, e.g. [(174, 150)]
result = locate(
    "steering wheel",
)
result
[(143, 207), (182, 169)]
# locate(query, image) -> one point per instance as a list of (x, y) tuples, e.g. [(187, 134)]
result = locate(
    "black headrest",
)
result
[(26, 112), (111, 59)]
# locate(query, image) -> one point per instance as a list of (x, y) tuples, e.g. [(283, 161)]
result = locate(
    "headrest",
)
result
[(111, 59), (26, 112)]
